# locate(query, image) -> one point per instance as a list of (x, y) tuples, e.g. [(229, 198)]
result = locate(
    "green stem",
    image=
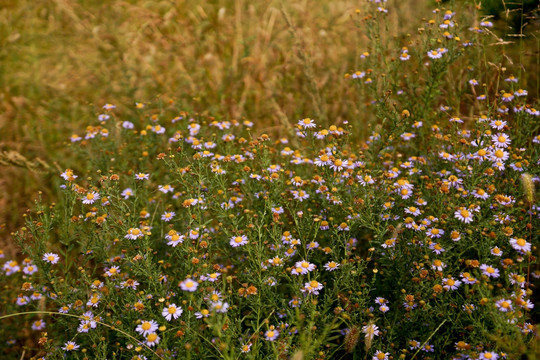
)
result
[(80, 317)]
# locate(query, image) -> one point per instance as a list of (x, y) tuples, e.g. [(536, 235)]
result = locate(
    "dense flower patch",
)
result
[(194, 237)]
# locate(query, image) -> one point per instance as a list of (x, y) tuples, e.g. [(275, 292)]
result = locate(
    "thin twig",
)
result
[(80, 317), (430, 336)]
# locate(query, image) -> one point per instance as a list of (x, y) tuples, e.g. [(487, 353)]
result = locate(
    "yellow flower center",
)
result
[(146, 325), (521, 242), (152, 337)]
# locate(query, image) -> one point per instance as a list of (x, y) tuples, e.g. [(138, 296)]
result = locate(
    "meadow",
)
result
[(269, 180)]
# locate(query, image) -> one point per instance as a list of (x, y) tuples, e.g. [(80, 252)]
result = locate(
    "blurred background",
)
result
[(62, 60)]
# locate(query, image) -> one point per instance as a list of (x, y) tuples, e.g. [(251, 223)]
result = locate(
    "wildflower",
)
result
[(463, 215), (414, 344), (91, 197), (489, 271), (22, 300), (273, 168), (51, 258), (213, 277), (68, 175), (85, 326), (306, 123), (520, 245), (189, 285), (302, 268), (295, 302), (171, 312), (38, 325), (504, 305), (142, 176), (167, 216), (134, 234), (366, 180), (312, 287), (496, 251), (147, 327), (500, 140), (434, 54), (219, 306), (237, 241), (507, 97), (271, 334), (437, 248), (331, 266), (455, 235), (480, 194), (30, 269), (94, 300), (456, 120), (152, 339), (488, 355), (245, 348), (128, 125), (435, 233), (158, 129), (70, 346), (438, 265), (165, 188), (407, 136), (497, 124), (203, 313), (337, 165), (114, 270), (129, 283), (428, 348), (370, 330), (451, 284), (379, 355), (127, 193)]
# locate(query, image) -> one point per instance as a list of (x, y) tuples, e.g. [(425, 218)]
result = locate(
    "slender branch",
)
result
[(82, 318)]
